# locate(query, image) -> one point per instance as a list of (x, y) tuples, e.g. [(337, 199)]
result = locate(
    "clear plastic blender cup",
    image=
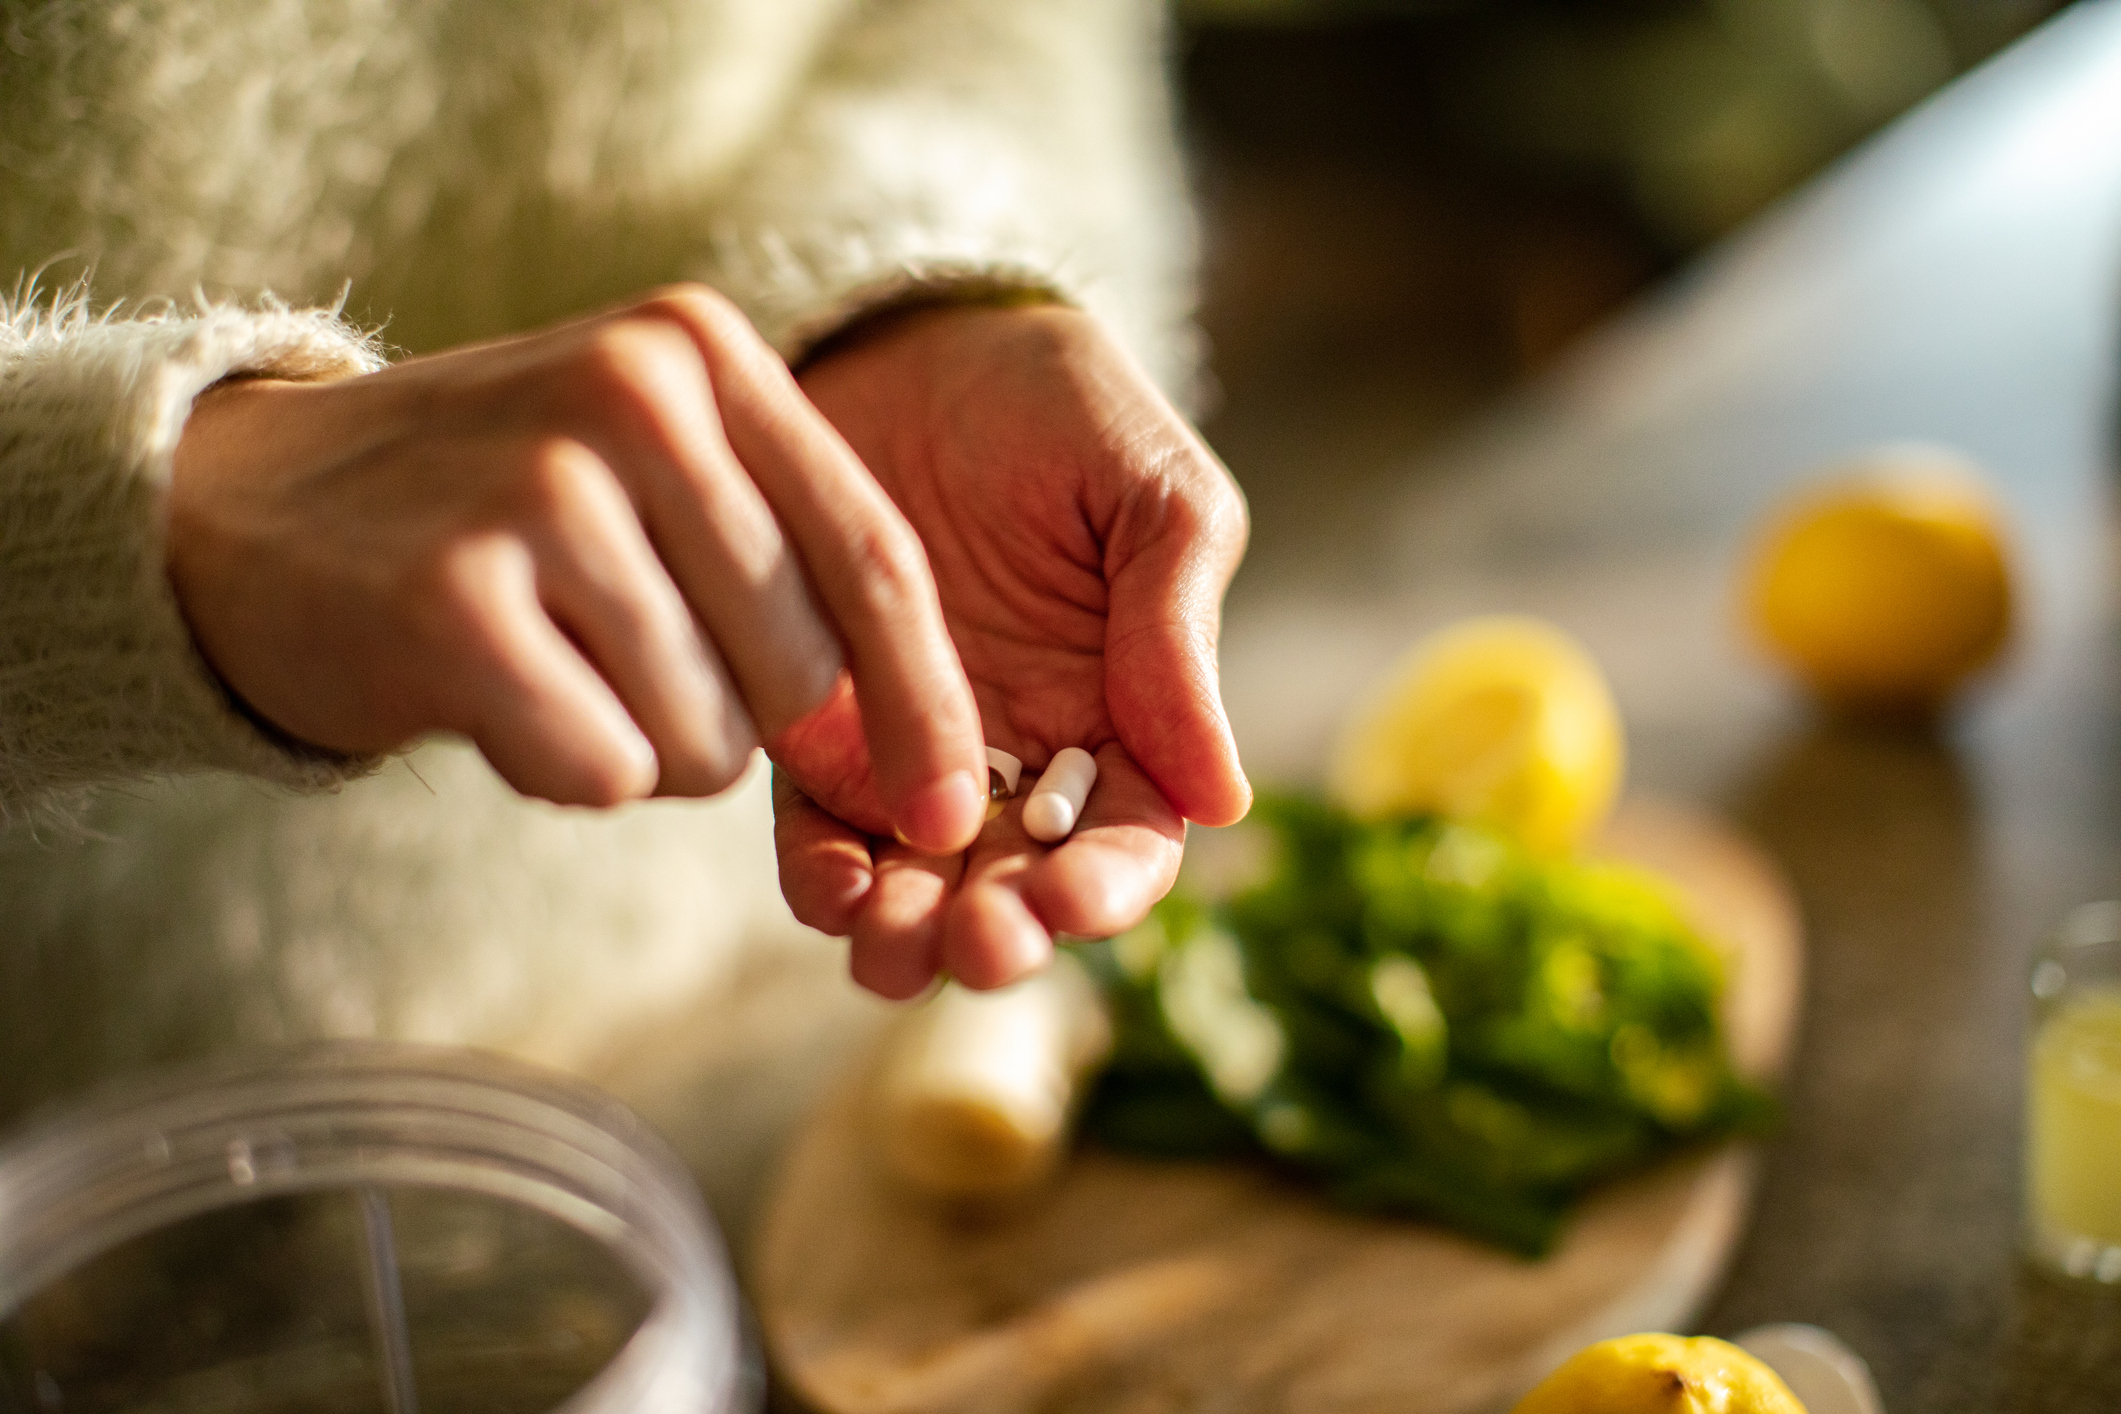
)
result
[(360, 1227)]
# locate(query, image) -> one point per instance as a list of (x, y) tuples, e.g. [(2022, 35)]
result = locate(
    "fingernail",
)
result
[(943, 815)]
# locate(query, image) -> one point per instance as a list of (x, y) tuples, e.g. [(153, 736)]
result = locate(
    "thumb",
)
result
[(826, 756), (1162, 684)]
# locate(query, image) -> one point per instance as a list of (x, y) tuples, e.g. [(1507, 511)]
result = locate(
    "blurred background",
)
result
[(1411, 204)]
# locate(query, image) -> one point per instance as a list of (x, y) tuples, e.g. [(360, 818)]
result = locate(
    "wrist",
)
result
[(221, 430), (927, 304)]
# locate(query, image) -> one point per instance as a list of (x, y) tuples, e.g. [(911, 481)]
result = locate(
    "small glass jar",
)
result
[(361, 1227), (2073, 1098)]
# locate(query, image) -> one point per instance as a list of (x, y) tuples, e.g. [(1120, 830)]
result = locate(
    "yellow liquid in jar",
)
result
[(2073, 1124)]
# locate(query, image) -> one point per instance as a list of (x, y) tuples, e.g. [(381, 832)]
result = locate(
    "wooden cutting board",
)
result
[(1135, 1287)]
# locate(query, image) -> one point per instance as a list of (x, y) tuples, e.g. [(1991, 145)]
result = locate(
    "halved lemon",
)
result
[(1888, 585), (1503, 721)]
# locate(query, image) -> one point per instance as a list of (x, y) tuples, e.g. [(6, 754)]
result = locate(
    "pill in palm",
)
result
[(1056, 802), (1003, 772)]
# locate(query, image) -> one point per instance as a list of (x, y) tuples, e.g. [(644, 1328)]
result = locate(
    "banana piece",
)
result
[(976, 1089)]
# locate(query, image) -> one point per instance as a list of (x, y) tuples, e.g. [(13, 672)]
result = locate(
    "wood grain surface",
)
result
[(1129, 1286)]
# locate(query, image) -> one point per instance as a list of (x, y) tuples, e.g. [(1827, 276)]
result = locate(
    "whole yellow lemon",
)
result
[(1887, 586), (1504, 721), (1661, 1374)]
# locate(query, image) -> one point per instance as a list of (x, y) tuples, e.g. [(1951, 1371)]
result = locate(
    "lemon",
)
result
[(1502, 721), (1887, 586), (1661, 1374)]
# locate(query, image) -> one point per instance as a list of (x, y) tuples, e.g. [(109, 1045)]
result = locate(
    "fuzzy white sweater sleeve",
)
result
[(99, 677), (983, 145)]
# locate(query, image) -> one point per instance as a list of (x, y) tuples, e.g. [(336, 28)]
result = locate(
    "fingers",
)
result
[(825, 865), (896, 942), (988, 916), (1122, 858), (651, 406), (1017, 895), (793, 563), (990, 936), (697, 558), (1176, 548), (870, 574), (889, 903), (540, 713), (601, 582), (828, 754)]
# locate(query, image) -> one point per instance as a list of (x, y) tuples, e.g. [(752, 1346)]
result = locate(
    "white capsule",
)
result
[(1056, 802)]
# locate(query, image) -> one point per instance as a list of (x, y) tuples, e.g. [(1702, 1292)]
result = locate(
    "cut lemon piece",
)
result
[(1661, 1374), (1501, 721), (1886, 587)]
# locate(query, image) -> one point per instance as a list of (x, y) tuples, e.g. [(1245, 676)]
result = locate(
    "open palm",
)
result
[(1080, 536)]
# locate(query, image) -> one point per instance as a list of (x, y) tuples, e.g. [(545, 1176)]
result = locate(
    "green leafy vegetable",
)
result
[(1424, 1019)]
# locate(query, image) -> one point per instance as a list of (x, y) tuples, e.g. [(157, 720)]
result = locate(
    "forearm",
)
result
[(99, 679)]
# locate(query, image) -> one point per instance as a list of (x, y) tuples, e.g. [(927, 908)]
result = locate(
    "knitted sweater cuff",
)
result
[(800, 289), (99, 676)]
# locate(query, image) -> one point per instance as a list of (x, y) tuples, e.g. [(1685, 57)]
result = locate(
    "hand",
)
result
[(615, 554), (1081, 537)]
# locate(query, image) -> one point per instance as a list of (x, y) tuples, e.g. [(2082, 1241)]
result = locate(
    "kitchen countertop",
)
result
[(1954, 281)]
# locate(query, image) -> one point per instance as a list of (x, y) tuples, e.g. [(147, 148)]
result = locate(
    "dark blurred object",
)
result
[(1462, 186), (2063, 1355)]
